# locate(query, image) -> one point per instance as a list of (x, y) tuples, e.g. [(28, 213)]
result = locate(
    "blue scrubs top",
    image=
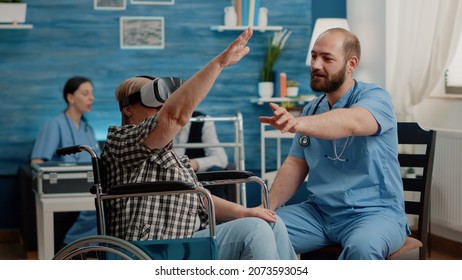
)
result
[(368, 176), (61, 132)]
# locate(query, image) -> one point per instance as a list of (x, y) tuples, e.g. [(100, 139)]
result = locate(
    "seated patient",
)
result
[(202, 159), (141, 150), (209, 158)]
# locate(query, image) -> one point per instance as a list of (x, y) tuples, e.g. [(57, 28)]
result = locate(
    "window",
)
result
[(453, 76)]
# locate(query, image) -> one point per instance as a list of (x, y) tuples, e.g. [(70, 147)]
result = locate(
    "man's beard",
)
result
[(328, 85)]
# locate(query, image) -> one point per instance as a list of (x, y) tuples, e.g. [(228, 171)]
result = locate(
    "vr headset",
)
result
[(153, 94)]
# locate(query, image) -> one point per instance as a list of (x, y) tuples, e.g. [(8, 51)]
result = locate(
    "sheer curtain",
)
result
[(425, 36)]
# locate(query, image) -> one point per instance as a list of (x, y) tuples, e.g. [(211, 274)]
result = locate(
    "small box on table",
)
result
[(54, 178)]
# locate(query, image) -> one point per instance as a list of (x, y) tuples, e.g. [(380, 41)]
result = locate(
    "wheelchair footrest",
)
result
[(201, 248)]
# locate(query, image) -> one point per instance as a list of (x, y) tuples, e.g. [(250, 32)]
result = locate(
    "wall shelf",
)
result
[(221, 28), (16, 26), (302, 99)]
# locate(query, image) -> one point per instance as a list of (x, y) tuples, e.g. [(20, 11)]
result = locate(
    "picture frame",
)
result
[(142, 32), (152, 2), (110, 4)]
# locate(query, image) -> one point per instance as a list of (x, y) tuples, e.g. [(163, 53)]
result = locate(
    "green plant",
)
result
[(288, 105), (275, 47), (292, 84)]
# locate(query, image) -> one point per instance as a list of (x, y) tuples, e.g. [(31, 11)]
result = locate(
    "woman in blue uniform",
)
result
[(70, 128)]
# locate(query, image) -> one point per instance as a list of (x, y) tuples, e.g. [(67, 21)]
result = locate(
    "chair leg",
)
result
[(429, 251)]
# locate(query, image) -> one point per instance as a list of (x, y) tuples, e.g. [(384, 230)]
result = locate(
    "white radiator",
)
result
[(446, 194)]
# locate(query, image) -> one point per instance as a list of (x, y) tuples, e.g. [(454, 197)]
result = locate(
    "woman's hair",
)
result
[(72, 85), (127, 88)]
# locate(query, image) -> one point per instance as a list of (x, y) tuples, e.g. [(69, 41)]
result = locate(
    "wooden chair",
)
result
[(419, 156)]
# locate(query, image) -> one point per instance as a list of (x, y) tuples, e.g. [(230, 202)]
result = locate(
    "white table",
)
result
[(46, 206)]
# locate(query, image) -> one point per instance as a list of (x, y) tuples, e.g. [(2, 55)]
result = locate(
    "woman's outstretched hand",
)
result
[(236, 50)]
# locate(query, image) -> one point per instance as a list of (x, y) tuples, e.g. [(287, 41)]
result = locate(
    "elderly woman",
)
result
[(141, 150)]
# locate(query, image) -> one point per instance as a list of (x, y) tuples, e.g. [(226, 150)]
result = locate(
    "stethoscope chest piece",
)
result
[(304, 141)]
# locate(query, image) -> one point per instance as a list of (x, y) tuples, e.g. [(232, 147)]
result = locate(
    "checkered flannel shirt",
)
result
[(126, 160)]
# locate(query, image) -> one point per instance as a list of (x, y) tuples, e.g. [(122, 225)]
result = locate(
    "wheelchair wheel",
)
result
[(101, 247)]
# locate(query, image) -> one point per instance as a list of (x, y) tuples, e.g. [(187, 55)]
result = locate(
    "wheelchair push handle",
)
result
[(94, 158), (76, 149), (68, 150)]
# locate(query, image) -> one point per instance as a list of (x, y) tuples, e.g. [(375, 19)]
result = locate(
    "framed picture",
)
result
[(142, 32), (152, 2), (109, 4)]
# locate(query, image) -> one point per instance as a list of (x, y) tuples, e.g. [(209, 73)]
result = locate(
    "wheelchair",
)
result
[(105, 247)]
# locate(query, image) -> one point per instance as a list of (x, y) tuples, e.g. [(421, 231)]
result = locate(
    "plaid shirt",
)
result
[(126, 160)]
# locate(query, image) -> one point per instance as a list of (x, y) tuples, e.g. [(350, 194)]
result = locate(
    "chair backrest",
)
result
[(417, 156)]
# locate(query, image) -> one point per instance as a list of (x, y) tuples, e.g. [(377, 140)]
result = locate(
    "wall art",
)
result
[(142, 32), (109, 4)]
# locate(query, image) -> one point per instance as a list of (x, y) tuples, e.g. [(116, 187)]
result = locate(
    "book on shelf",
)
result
[(277, 84), (238, 7), (251, 12), (256, 12), (247, 12), (283, 84)]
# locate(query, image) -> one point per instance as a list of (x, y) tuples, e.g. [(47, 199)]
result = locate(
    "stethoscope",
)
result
[(74, 138), (305, 140)]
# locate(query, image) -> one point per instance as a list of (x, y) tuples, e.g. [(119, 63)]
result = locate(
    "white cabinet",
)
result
[(283, 142)]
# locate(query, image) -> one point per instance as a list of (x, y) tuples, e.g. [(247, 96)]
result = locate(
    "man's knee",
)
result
[(361, 250)]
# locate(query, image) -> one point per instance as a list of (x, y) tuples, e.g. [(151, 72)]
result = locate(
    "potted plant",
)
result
[(12, 11), (292, 88), (274, 49), (410, 173)]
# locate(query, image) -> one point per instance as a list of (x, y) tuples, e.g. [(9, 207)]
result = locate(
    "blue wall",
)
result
[(71, 38)]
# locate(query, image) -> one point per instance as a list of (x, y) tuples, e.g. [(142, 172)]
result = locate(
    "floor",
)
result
[(11, 248)]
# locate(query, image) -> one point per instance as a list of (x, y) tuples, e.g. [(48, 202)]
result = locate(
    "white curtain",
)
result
[(425, 36)]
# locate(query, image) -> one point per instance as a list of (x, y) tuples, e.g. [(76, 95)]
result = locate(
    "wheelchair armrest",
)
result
[(142, 189), (223, 175), (149, 187)]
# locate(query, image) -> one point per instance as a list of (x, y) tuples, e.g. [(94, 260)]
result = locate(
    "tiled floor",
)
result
[(12, 249)]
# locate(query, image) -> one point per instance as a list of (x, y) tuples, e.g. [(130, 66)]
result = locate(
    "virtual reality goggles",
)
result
[(153, 94)]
